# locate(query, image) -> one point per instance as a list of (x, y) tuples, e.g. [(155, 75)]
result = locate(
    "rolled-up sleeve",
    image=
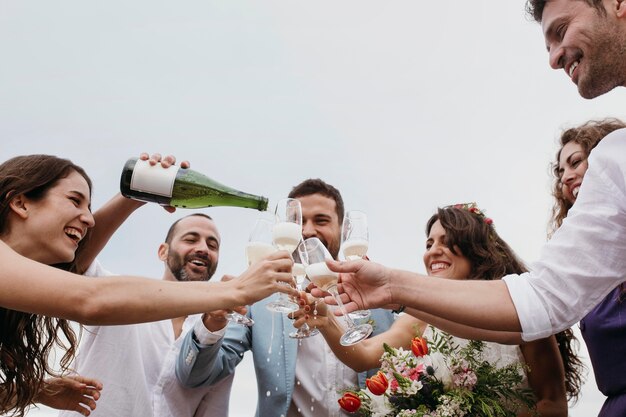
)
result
[(586, 257), (536, 323)]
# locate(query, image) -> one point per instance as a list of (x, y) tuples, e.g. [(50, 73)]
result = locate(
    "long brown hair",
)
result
[(26, 340), (475, 236), (587, 135), (492, 258)]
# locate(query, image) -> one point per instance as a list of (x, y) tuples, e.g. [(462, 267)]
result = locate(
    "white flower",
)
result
[(442, 370), (449, 408), (379, 406)]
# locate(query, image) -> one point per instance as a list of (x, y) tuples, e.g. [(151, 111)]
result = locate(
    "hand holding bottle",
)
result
[(264, 278), (166, 162), (157, 180)]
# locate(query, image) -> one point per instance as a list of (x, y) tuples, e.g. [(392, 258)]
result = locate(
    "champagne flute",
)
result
[(354, 243), (299, 272), (325, 279), (260, 244), (258, 247), (286, 235)]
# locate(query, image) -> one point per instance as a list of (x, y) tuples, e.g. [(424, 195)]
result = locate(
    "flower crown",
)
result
[(473, 208)]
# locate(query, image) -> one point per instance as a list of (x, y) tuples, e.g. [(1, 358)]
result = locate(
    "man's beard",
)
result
[(605, 65), (177, 266), (333, 247)]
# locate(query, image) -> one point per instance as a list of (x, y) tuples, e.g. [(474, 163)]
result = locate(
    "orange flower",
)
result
[(419, 346), (350, 402), (377, 384)]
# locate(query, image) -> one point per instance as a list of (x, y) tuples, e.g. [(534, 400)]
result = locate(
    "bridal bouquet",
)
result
[(439, 378)]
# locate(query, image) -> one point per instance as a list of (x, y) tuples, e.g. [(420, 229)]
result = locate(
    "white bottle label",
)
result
[(153, 179)]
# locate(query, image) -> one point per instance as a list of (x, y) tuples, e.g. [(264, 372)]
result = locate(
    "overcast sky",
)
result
[(403, 105)]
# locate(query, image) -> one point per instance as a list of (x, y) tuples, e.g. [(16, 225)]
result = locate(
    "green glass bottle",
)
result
[(180, 187)]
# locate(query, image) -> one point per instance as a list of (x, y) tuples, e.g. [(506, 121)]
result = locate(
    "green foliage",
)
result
[(459, 382)]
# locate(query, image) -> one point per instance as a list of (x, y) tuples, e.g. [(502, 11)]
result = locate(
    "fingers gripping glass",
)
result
[(325, 279), (299, 272), (354, 244), (258, 247), (286, 235)]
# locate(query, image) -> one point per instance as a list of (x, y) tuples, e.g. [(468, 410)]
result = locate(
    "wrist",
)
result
[(395, 292), (236, 293), (204, 336), (129, 204), (330, 326), (213, 322), (404, 287), (41, 395)]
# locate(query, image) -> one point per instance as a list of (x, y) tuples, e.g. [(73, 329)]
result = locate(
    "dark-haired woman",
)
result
[(461, 244), (45, 219), (604, 328)]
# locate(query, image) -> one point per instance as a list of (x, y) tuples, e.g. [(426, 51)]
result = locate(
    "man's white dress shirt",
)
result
[(586, 257)]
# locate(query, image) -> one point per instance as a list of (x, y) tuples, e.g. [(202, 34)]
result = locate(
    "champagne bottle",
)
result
[(180, 187)]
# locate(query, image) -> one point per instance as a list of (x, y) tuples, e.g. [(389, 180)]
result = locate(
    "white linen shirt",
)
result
[(320, 377), (136, 365), (586, 257), (171, 399)]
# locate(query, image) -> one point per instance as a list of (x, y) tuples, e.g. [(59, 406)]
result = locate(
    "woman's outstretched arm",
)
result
[(366, 354), (26, 285)]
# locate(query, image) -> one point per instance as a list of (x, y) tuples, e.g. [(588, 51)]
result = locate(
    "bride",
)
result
[(461, 244)]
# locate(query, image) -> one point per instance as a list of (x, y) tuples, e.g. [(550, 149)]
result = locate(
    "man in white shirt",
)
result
[(584, 261), (586, 258), (136, 362), (294, 377)]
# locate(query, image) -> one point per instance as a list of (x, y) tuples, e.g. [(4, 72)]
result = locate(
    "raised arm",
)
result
[(366, 354), (482, 304), (29, 286), (467, 332), (110, 217), (200, 365), (582, 263)]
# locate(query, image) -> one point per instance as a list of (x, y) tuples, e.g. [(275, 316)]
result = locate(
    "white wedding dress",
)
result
[(494, 353)]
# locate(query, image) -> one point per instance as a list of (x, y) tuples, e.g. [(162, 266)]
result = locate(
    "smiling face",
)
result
[(193, 251), (440, 261), (320, 220), (52, 226), (572, 167), (589, 45)]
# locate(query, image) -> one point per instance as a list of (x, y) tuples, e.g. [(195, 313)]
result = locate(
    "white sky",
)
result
[(403, 105)]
